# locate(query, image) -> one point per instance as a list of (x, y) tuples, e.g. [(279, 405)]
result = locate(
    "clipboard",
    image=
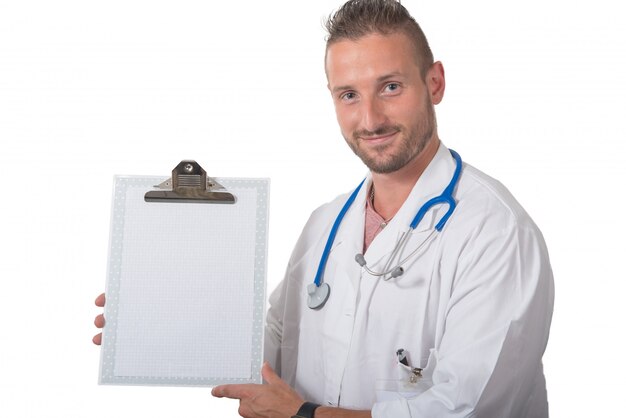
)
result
[(186, 280)]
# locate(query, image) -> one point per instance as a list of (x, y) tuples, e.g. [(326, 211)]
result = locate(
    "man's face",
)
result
[(383, 106)]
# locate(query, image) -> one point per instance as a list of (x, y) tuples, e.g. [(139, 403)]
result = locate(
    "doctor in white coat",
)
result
[(461, 332)]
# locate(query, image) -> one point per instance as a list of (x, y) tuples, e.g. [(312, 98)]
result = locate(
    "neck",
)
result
[(392, 189)]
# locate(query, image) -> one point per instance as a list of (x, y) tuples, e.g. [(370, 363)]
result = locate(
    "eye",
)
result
[(348, 96), (391, 88)]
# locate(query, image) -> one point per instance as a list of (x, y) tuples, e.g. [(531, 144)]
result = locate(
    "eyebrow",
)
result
[(379, 80)]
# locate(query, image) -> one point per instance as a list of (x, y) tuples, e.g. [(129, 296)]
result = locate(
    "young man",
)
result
[(461, 328), (447, 318)]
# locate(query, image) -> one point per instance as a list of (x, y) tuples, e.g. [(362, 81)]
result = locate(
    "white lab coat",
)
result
[(473, 309)]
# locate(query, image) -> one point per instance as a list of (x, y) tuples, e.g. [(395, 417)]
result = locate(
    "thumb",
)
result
[(270, 376)]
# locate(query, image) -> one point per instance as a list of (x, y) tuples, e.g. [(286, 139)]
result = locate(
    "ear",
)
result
[(436, 82)]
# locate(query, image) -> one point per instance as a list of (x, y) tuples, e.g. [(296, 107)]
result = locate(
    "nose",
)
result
[(373, 114)]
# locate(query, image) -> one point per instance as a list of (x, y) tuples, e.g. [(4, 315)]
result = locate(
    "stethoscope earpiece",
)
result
[(397, 272), (393, 273)]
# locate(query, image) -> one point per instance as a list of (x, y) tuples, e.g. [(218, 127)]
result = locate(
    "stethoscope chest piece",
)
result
[(318, 295)]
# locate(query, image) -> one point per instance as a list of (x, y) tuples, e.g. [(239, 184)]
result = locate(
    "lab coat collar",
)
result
[(349, 240), (431, 183)]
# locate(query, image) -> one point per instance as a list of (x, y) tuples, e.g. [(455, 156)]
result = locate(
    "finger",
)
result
[(234, 391), (100, 300), (99, 321), (244, 410), (97, 339), (270, 376), (247, 410)]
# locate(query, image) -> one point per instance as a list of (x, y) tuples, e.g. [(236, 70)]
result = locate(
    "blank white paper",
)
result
[(185, 287)]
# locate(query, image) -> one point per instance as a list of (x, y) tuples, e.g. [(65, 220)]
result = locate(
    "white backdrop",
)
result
[(535, 97)]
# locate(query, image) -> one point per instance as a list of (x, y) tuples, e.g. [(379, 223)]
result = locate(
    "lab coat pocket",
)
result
[(411, 382)]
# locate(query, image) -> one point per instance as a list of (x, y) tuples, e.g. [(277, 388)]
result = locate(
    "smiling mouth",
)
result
[(377, 139)]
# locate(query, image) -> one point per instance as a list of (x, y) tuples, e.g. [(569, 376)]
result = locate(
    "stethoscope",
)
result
[(319, 291)]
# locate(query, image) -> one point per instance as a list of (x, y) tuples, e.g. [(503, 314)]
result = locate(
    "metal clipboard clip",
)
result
[(190, 184)]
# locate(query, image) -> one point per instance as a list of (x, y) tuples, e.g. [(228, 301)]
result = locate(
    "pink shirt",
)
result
[(373, 223)]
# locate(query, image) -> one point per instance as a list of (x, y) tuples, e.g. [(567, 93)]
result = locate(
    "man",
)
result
[(430, 322)]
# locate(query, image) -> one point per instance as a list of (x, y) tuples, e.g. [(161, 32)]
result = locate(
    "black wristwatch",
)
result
[(307, 410)]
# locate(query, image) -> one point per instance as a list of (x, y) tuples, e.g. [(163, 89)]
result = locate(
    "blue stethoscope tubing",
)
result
[(446, 197)]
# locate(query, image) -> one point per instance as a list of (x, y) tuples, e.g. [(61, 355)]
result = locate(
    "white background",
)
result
[(535, 97)]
